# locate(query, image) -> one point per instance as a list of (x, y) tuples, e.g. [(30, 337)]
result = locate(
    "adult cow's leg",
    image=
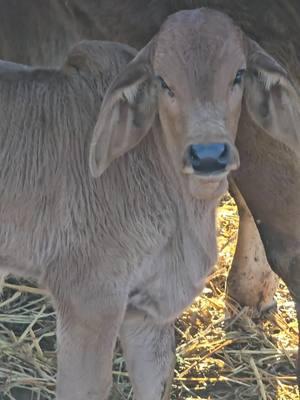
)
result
[(251, 280), (149, 351)]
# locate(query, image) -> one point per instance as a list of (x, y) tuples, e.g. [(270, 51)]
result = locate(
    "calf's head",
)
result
[(193, 76)]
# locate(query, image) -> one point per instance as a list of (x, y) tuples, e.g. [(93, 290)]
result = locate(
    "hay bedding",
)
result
[(220, 355)]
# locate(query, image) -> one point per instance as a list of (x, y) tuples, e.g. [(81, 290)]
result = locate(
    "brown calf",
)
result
[(126, 252)]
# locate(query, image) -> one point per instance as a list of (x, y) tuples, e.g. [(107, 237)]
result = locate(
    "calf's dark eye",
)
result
[(165, 86), (238, 77), (163, 83)]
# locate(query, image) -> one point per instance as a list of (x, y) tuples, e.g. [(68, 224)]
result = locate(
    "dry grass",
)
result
[(218, 356)]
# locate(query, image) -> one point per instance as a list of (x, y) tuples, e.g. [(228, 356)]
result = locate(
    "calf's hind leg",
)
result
[(149, 351)]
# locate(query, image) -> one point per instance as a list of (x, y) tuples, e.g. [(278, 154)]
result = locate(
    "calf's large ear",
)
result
[(127, 112), (271, 98)]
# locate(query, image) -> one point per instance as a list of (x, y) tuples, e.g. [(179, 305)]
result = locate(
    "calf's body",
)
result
[(122, 250), (126, 252), (28, 40), (129, 240)]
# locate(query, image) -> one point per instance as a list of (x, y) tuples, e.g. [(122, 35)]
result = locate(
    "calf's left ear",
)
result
[(271, 98)]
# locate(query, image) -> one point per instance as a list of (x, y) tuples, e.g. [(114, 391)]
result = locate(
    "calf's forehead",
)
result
[(198, 20), (197, 44)]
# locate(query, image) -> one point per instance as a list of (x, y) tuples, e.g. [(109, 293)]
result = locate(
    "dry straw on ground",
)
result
[(220, 355)]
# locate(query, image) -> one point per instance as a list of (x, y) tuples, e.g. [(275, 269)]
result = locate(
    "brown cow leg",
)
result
[(149, 351), (250, 281)]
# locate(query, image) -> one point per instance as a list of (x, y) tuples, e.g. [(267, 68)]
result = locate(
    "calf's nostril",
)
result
[(208, 158), (224, 156)]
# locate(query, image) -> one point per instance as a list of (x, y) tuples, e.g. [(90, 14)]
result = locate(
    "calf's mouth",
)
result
[(207, 166)]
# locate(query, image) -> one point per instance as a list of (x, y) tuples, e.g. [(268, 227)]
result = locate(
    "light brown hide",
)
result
[(251, 281)]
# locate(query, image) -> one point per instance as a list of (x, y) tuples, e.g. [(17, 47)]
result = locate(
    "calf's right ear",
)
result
[(127, 113)]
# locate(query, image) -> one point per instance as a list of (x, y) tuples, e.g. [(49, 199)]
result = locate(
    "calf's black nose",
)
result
[(208, 158)]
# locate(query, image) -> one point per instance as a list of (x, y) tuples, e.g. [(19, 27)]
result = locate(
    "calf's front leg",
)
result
[(86, 339), (149, 351)]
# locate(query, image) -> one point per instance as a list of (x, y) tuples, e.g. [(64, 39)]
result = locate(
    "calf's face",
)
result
[(200, 71), (193, 76)]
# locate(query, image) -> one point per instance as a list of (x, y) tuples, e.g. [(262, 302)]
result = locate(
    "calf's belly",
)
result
[(27, 252)]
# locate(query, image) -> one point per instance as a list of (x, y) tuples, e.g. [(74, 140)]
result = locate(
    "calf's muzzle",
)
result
[(208, 158)]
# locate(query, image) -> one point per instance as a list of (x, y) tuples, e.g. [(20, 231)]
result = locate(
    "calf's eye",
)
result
[(165, 87), (238, 77)]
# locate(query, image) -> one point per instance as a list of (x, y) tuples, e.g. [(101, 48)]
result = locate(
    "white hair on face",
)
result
[(130, 93), (270, 79)]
